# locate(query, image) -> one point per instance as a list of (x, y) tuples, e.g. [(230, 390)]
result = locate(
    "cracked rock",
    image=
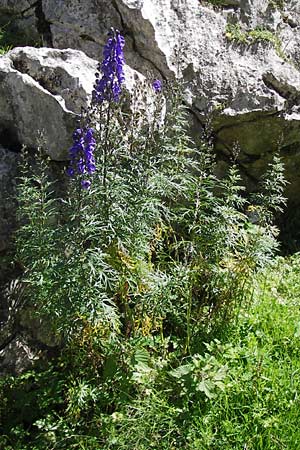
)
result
[(251, 90), (43, 90)]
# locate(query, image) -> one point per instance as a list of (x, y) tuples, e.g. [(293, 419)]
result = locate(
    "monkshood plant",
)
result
[(133, 257), (146, 240)]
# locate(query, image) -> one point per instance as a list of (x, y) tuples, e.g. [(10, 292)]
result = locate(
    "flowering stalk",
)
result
[(108, 87), (82, 155)]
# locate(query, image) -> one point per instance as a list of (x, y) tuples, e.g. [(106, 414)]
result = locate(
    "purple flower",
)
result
[(157, 86), (108, 87), (86, 184), (82, 160), (70, 171)]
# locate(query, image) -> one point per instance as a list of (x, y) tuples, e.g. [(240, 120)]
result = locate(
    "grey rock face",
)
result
[(20, 19), (252, 89), (86, 23), (67, 74), (43, 90)]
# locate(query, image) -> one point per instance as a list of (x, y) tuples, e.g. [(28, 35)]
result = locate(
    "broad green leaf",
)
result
[(181, 371), (141, 356)]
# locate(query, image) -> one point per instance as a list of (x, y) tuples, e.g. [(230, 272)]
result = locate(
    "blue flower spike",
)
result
[(109, 86)]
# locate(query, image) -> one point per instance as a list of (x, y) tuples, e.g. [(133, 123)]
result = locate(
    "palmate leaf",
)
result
[(182, 371), (206, 386)]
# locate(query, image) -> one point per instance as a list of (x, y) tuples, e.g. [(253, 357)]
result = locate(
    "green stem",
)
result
[(105, 158)]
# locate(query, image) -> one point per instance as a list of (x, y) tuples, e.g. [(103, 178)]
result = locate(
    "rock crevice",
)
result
[(290, 92), (43, 26)]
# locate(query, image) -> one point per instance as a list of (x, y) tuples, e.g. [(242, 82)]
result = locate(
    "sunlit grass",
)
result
[(259, 407)]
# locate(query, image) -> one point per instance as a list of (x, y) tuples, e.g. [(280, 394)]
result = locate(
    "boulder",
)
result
[(42, 90)]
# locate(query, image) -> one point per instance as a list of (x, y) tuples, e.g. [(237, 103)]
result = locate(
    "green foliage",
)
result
[(134, 275), (270, 199), (5, 44), (61, 271), (203, 374), (10, 38), (277, 4), (217, 2), (234, 33), (240, 391), (153, 223)]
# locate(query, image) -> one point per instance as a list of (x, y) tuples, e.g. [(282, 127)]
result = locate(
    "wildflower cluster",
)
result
[(108, 87), (82, 155)]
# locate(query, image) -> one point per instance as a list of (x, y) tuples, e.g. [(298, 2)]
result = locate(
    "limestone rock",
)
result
[(67, 74), (43, 90), (85, 23), (251, 89)]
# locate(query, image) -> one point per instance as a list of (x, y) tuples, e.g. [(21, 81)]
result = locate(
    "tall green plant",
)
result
[(141, 253), (156, 237)]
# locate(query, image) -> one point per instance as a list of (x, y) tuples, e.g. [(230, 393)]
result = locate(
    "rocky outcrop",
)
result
[(43, 90), (240, 62)]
